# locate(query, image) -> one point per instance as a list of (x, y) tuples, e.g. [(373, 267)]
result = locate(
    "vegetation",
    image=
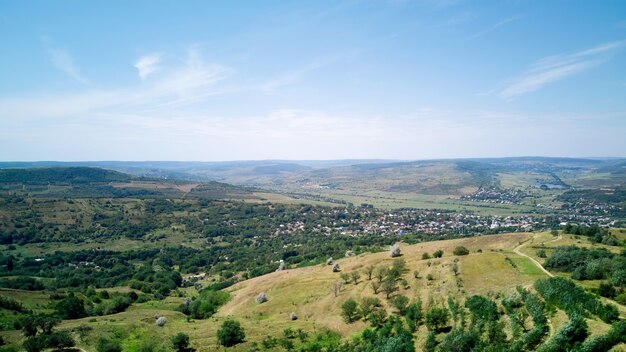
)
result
[(230, 333)]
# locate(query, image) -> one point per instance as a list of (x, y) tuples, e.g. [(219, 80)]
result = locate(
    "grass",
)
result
[(307, 291)]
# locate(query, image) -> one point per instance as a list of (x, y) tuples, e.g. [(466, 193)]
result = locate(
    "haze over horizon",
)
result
[(311, 80)]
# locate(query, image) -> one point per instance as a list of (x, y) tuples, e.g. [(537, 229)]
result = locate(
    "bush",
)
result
[(350, 310), (460, 250), (230, 333), (180, 342), (401, 303), (438, 253), (437, 318), (106, 345)]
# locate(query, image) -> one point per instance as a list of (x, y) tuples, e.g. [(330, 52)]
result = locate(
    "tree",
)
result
[(414, 314), (71, 307), (431, 342), (376, 286), (401, 303), (437, 318), (350, 310), (345, 277), (381, 273), (425, 256), (399, 264), (10, 264), (59, 340), (460, 250), (416, 274), (438, 253), (455, 269), (336, 287), (230, 333), (106, 345), (368, 304), (389, 287), (180, 342), (355, 275), (377, 317), (369, 270)]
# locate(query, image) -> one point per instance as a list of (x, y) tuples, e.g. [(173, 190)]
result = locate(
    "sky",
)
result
[(249, 80)]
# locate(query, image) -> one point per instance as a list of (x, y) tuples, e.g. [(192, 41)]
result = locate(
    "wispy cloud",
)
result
[(495, 26), (296, 75), (192, 81), (553, 68), (147, 64), (65, 62)]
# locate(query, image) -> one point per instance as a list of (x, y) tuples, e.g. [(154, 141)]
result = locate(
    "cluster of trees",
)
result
[(593, 264), (595, 233), (40, 334), (564, 294), (205, 304)]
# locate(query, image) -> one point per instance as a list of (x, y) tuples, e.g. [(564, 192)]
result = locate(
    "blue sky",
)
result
[(233, 80)]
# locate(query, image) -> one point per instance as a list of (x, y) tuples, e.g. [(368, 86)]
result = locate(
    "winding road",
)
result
[(517, 251)]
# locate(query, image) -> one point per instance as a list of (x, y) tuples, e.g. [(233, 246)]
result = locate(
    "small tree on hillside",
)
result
[(355, 276), (345, 277), (350, 310), (401, 303), (389, 287), (336, 288), (437, 318), (230, 333), (381, 273), (460, 250), (376, 286), (369, 271), (438, 253), (180, 342)]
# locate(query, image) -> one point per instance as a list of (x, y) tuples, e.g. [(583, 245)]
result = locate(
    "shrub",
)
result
[(350, 310), (437, 318), (180, 342), (230, 333), (106, 345), (438, 253), (401, 303), (460, 250)]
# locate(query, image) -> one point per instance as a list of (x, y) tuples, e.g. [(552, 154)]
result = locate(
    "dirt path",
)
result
[(517, 251)]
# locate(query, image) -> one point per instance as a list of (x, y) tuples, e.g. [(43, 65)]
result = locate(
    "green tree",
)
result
[(401, 303), (230, 333), (350, 310), (180, 342), (438, 253), (431, 342), (389, 286), (355, 275), (369, 271), (437, 318), (71, 307), (107, 345), (460, 250)]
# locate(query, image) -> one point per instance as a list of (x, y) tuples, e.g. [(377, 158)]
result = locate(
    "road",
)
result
[(517, 251)]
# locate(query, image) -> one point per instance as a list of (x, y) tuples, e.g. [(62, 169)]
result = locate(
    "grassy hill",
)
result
[(493, 268)]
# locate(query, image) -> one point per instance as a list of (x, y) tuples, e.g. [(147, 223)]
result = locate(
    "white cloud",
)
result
[(147, 64), (186, 84), (65, 62), (295, 76), (553, 68), (496, 26)]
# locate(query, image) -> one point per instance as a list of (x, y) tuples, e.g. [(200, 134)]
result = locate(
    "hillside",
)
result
[(494, 267)]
